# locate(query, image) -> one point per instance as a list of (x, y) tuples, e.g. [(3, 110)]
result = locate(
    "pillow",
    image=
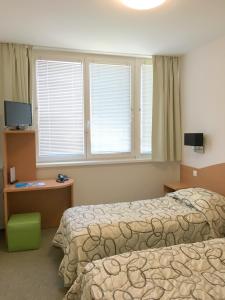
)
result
[(199, 198), (211, 204)]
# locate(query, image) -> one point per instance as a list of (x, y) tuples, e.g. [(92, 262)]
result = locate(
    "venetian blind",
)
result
[(60, 109), (110, 108)]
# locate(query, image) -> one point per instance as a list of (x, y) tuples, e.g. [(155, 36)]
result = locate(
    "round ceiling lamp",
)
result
[(142, 4)]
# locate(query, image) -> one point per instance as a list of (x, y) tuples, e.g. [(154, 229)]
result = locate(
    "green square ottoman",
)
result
[(24, 232)]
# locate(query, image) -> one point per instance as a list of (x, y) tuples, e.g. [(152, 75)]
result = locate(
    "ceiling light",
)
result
[(142, 4)]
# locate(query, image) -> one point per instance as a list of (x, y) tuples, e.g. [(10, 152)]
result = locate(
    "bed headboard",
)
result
[(212, 177)]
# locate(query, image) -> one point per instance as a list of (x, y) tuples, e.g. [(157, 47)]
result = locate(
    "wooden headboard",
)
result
[(212, 177)]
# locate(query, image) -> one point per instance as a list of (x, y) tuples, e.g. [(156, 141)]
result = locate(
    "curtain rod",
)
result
[(91, 52)]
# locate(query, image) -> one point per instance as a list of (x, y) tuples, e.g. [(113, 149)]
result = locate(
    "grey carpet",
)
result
[(31, 275)]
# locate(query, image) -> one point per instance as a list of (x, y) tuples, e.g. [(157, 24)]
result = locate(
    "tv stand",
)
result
[(51, 199), (19, 127)]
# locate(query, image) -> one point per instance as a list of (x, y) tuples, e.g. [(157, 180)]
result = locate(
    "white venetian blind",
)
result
[(146, 108), (60, 109), (110, 108)]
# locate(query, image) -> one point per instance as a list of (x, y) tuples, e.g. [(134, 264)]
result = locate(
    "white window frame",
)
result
[(138, 71), (86, 59), (112, 61), (55, 57)]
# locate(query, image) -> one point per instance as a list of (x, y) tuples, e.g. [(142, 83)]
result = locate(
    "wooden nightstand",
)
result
[(174, 186)]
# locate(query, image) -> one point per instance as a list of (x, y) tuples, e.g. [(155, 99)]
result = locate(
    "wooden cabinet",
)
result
[(51, 199)]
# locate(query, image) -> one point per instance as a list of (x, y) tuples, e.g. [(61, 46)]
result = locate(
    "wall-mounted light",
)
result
[(142, 4), (196, 140)]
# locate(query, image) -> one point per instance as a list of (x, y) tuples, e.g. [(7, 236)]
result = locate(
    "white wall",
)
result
[(203, 102), (118, 182)]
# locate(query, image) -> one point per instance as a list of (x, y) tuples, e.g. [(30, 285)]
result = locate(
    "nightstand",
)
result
[(174, 186)]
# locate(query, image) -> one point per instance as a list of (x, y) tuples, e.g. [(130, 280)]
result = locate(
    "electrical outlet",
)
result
[(195, 173)]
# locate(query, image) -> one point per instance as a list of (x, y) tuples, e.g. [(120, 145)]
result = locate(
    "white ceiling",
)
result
[(107, 26)]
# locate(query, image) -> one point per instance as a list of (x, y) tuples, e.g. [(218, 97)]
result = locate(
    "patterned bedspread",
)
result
[(89, 233), (181, 272)]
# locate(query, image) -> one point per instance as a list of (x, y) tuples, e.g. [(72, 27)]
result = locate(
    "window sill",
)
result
[(93, 162)]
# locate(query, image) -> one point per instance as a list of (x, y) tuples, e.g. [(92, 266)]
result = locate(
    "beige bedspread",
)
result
[(89, 233), (181, 272)]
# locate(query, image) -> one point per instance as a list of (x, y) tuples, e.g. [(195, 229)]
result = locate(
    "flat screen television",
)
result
[(18, 115)]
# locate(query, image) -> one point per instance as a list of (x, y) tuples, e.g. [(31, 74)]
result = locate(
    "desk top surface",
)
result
[(49, 184)]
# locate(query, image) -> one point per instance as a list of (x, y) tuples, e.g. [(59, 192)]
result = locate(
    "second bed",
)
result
[(181, 272)]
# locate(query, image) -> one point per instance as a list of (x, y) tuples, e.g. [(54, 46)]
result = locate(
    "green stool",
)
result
[(24, 232)]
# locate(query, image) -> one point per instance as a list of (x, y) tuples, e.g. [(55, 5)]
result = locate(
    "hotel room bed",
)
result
[(89, 233), (186, 271)]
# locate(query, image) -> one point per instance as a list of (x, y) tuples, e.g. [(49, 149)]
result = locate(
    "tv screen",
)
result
[(17, 114)]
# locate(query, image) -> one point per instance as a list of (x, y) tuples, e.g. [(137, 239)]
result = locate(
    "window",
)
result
[(93, 108), (60, 109), (110, 108)]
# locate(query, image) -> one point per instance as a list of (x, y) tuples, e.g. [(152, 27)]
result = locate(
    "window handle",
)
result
[(87, 126)]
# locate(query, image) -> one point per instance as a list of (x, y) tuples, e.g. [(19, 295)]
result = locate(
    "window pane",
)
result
[(110, 108), (146, 108), (60, 108)]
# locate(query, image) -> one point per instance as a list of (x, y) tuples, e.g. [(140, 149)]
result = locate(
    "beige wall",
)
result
[(113, 183), (203, 102), (120, 182)]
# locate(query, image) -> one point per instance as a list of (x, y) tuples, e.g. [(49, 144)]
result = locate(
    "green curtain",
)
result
[(166, 120), (15, 72)]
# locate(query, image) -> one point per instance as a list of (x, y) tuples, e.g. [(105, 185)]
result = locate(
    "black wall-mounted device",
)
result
[(193, 139)]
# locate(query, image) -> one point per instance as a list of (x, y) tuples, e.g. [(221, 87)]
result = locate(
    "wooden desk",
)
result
[(174, 186), (51, 200)]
